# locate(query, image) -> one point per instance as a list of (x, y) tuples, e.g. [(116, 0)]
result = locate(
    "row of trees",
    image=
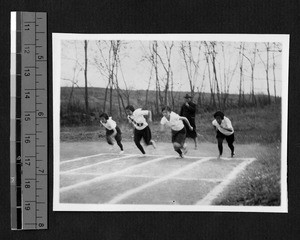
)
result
[(207, 65)]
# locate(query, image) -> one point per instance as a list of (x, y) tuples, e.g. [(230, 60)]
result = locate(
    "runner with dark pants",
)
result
[(141, 128), (112, 131), (224, 130), (175, 122)]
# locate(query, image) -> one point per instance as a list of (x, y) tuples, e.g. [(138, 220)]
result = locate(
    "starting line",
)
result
[(151, 155)]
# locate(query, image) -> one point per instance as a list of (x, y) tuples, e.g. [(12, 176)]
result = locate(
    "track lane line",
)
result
[(80, 158), (213, 194), (177, 178), (144, 176), (109, 175), (128, 193), (95, 164)]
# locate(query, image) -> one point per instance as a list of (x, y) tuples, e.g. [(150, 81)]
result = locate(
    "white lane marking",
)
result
[(159, 180), (95, 164), (109, 175), (85, 157), (219, 188), (150, 155), (177, 178), (152, 177)]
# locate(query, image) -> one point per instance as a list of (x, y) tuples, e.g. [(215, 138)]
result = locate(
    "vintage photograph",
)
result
[(170, 122)]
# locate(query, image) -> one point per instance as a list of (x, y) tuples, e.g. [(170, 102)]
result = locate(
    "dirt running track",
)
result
[(91, 172)]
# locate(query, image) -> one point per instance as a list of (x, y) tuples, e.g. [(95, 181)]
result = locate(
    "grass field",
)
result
[(258, 135)]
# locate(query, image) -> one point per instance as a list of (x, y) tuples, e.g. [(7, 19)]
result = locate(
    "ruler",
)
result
[(29, 121)]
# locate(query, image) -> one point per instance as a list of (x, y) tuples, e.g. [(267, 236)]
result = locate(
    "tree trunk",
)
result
[(252, 75), (110, 98), (213, 55), (155, 62), (212, 94), (241, 99), (105, 98), (274, 65), (85, 77), (267, 74)]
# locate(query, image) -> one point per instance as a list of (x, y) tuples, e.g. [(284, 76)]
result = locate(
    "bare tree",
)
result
[(108, 66), (76, 69), (266, 65), (166, 66), (252, 61), (228, 72), (149, 83), (241, 86), (152, 57), (191, 64), (211, 52), (212, 91), (274, 75), (126, 92), (85, 77)]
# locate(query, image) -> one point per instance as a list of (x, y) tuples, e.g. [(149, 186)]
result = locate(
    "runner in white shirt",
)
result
[(141, 128), (112, 130), (175, 122), (224, 130)]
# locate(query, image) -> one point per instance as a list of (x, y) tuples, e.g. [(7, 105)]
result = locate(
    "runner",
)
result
[(188, 110), (225, 130), (175, 122), (141, 128), (112, 131)]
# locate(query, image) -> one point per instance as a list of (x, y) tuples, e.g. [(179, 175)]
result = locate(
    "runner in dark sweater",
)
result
[(188, 110)]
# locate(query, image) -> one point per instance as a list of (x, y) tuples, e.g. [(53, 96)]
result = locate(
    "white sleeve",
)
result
[(112, 124), (228, 123), (176, 116), (143, 112), (163, 121)]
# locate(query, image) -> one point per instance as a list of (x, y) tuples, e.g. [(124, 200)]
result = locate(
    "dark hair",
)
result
[(104, 115), (220, 114), (166, 108), (130, 107)]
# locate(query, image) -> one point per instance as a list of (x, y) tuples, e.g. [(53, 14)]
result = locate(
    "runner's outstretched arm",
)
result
[(150, 116), (228, 129), (187, 121)]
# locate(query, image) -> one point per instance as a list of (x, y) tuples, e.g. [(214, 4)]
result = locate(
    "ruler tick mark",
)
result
[(30, 35)]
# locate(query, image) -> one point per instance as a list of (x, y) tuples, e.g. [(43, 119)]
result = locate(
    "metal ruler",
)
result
[(29, 121)]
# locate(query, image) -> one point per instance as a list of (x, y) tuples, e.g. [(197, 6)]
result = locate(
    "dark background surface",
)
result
[(153, 16)]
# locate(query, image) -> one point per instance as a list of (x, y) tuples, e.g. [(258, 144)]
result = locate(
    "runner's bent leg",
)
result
[(230, 140), (108, 137), (147, 135), (177, 148), (220, 145), (137, 140), (118, 138)]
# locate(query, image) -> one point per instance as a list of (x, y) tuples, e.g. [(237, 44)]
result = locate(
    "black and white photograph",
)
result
[(170, 122)]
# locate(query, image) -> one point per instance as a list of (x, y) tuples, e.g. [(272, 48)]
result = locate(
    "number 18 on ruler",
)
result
[(29, 120)]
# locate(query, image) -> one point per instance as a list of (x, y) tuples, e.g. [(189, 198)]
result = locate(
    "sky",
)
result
[(136, 71)]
